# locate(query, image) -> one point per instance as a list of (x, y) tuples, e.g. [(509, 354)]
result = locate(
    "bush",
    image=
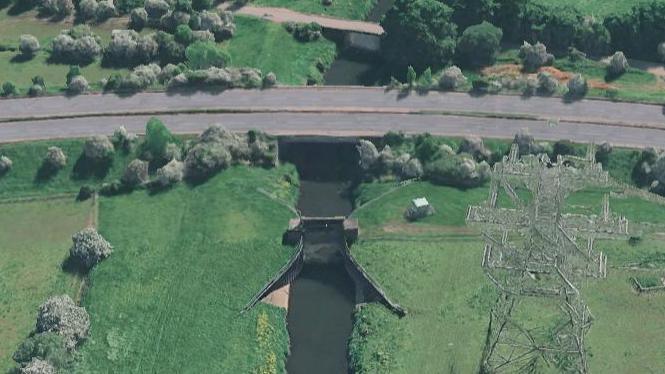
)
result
[(98, 148), (593, 37), (156, 8), (527, 144), (37, 366), (577, 86), (138, 19), (28, 45), (78, 85), (85, 192), (9, 89), (269, 80), (48, 346), (205, 159), (136, 173), (367, 154), (221, 26), (618, 64), (105, 10), (563, 148), (77, 45), (474, 146), (170, 174), (5, 165), (480, 85), (56, 7), (88, 9), (479, 45), (457, 171), (307, 32), (411, 169), (426, 148), (452, 78), (203, 55), (534, 56), (59, 314), (35, 90), (172, 20), (122, 139), (129, 48), (89, 248), (55, 158), (125, 6), (603, 153), (183, 35), (547, 84)]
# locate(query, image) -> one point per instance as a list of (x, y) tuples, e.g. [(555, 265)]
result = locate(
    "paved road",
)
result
[(335, 98), (338, 124), (282, 15), (579, 120)]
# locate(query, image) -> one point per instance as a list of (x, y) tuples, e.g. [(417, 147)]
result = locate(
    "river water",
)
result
[(322, 298)]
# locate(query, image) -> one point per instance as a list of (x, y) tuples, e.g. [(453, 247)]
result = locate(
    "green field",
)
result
[(34, 240), (351, 9), (23, 179), (598, 8), (269, 47), (185, 263), (432, 268)]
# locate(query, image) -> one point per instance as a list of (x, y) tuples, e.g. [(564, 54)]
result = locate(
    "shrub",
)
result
[(28, 45), (73, 71), (480, 85), (411, 169), (5, 165), (60, 315), (77, 45), (457, 171), (203, 55), (474, 146), (105, 10), (170, 51), (527, 144), (35, 90), (37, 366), (138, 19), (307, 32), (129, 48), (547, 84), (577, 86), (269, 80), (125, 6), (122, 139), (136, 173), (9, 89), (479, 45), (563, 147), (603, 153), (78, 85), (221, 26), (85, 192), (88, 9), (48, 346), (618, 64), (170, 174), (183, 35), (367, 154), (534, 56), (55, 158), (172, 20), (426, 148), (56, 7), (156, 8), (452, 78), (235, 145), (98, 148), (89, 248), (205, 159)]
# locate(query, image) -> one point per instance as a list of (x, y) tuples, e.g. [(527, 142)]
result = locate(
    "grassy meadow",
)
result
[(186, 262), (34, 240), (432, 268)]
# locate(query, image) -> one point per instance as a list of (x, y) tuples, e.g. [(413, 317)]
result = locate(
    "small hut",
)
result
[(420, 208)]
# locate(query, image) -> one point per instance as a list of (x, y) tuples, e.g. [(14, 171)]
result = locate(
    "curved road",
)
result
[(337, 111)]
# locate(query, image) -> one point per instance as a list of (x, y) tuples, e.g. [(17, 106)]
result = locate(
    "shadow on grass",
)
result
[(45, 173), (71, 266), (86, 168), (19, 58), (20, 7)]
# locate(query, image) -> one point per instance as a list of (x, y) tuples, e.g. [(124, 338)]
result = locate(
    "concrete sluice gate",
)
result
[(326, 283)]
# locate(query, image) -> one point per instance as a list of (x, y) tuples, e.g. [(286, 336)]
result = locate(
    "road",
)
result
[(344, 111), (282, 15)]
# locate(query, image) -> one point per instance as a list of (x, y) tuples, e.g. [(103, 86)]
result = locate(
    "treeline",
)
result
[(431, 33)]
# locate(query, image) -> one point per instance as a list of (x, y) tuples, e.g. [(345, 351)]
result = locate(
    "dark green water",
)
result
[(322, 298)]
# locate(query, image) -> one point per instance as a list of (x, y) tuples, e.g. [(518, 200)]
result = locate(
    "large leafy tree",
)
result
[(479, 45), (471, 12), (420, 33)]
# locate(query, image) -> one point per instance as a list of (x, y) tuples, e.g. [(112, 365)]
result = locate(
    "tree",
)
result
[(426, 148), (411, 76), (471, 12), (9, 89), (593, 37), (547, 84), (170, 174), (89, 248), (479, 45), (419, 33), (425, 81), (88, 9), (138, 19), (411, 169), (98, 148), (55, 158), (367, 154), (74, 71), (577, 86), (125, 6), (59, 314), (618, 64), (28, 45), (457, 171), (205, 159), (77, 45), (269, 80), (474, 146), (129, 48), (105, 10), (183, 35), (202, 4), (534, 56), (37, 366), (136, 173), (48, 346), (156, 8), (157, 137), (202, 55)]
